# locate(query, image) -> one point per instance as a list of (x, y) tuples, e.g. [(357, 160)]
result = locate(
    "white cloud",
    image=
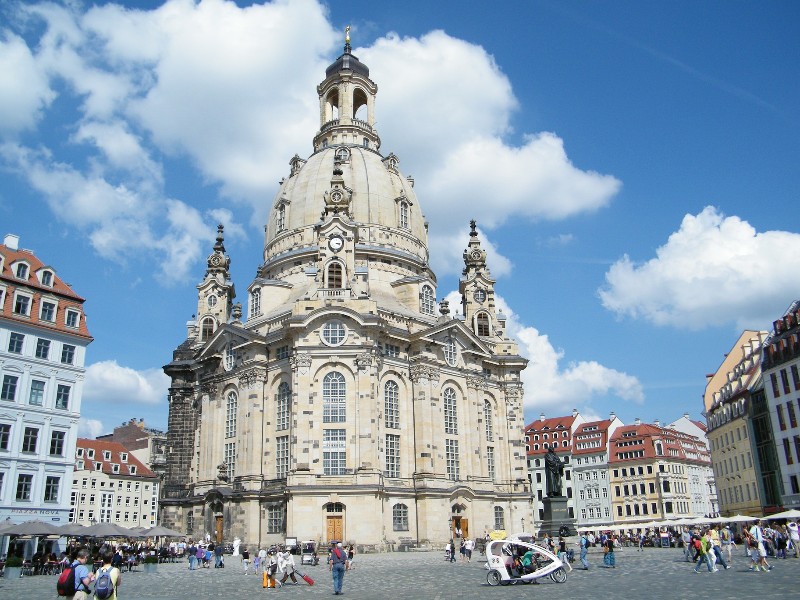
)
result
[(106, 381), (715, 270), (552, 386), (24, 89), (90, 428), (231, 89), (447, 251)]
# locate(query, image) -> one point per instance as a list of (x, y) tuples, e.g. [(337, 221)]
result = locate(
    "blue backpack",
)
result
[(104, 587)]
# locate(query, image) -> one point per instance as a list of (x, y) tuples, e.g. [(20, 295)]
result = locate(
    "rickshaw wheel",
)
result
[(493, 577), (559, 575)]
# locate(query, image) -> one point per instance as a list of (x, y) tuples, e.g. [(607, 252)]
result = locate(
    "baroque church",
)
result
[(346, 404)]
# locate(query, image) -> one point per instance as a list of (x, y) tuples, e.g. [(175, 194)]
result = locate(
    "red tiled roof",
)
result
[(587, 432), (116, 449), (66, 297), (671, 439), (554, 424)]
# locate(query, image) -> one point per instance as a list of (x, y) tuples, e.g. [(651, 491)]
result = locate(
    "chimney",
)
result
[(574, 412), (11, 241), (637, 421), (657, 423), (612, 415), (541, 417), (685, 415)]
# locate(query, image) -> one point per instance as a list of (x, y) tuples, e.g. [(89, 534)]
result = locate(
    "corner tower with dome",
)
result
[(345, 403)]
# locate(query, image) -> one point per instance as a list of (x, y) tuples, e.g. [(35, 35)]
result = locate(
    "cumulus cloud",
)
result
[(90, 428), (448, 249), (24, 89), (108, 381), (551, 385), (231, 90), (715, 270)]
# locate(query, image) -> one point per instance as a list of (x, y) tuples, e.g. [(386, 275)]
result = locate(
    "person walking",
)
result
[(245, 559), (83, 575), (261, 560), (337, 565), (286, 565), (794, 537), (716, 547), (704, 557), (584, 542), (727, 543), (218, 561), (351, 554), (114, 574), (758, 536), (452, 551), (609, 559), (192, 556)]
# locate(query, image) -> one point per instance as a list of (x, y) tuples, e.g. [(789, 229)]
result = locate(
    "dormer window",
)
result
[(115, 468), (404, 215), (106, 455), (21, 271), (48, 311), (123, 457), (206, 329), (47, 278), (255, 303), (98, 466), (79, 465), (79, 452), (132, 469), (280, 224), (90, 453), (72, 318)]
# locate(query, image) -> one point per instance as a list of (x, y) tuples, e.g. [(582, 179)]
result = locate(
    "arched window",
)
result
[(334, 393), (400, 517), (206, 329), (230, 357), (335, 275), (482, 324), (488, 420), (450, 413), (427, 300), (499, 518), (255, 303), (230, 415), (404, 215), (334, 507), (282, 407), (450, 352), (390, 405), (280, 225)]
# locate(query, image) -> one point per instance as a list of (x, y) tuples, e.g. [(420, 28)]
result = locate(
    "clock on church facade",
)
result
[(343, 402)]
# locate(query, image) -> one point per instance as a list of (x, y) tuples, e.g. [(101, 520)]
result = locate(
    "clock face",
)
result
[(216, 260), (480, 296), (335, 243), (336, 196)]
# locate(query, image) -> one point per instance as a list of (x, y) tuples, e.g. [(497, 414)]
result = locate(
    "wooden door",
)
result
[(464, 528), (218, 529), (334, 527)]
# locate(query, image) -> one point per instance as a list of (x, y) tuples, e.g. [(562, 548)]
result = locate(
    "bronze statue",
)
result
[(554, 469)]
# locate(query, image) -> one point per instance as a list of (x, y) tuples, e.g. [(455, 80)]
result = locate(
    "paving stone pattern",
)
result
[(426, 575)]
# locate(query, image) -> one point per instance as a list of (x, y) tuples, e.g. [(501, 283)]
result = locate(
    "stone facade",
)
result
[(345, 406)]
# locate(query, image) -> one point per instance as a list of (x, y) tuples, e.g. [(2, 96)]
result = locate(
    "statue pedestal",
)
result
[(556, 517)]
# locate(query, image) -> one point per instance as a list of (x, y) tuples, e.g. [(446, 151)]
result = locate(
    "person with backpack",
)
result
[(108, 578), (78, 576), (703, 545), (584, 542)]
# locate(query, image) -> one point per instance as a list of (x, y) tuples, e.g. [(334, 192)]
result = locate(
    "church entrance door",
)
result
[(334, 528), (218, 528), (462, 524)]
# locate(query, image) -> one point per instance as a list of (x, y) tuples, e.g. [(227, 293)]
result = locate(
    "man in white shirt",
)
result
[(794, 536)]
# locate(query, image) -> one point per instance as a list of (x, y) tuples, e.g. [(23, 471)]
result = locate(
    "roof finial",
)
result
[(472, 226), (347, 39)]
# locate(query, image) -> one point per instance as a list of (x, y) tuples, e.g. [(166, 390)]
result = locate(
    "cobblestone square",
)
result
[(400, 575)]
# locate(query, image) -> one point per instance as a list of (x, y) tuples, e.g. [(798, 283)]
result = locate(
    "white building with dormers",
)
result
[(590, 442), (341, 403), (43, 340)]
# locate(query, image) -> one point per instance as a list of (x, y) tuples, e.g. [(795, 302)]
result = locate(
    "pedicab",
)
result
[(514, 561)]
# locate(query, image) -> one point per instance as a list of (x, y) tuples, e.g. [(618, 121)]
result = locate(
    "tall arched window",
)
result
[(427, 303), (400, 517), (404, 215), (450, 352), (499, 518), (482, 324), (230, 415), (488, 420), (282, 407), (206, 329), (390, 405), (281, 222), (335, 275), (255, 303), (334, 394), (450, 413)]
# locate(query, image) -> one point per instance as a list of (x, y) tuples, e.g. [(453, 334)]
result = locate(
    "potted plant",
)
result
[(150, 563), (13, 568)]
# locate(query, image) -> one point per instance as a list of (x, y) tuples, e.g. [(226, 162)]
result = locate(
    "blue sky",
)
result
[(632, 167)]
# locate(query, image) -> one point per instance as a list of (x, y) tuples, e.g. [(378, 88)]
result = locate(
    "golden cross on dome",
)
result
[(347, 34)]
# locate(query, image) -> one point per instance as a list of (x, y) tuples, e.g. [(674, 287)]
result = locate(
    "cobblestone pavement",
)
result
[(427, 575)]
